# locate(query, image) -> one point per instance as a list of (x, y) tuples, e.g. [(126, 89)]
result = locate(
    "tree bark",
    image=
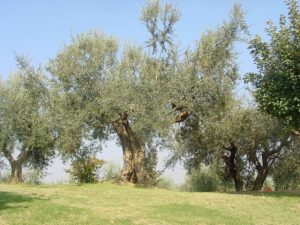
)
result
[(296, 132), (268, 156), (16, 165), (260, 179), (262, 171), (233, 168), (133, 152), (16, 172)]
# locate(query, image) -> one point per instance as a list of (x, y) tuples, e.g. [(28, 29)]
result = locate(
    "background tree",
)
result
[(204, 91), (25, 124), (277, 83), (257, 141), (286, 172)]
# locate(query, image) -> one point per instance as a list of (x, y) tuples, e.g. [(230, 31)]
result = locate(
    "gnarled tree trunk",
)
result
[(133, 152), (268, 157), (233, 168), (16, 164)]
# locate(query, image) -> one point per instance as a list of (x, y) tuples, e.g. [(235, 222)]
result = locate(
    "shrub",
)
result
[(204, 179), (286, 172), (85, 169), (33, 176), (166, 183)]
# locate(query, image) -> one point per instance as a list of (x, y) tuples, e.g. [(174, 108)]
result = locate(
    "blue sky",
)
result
[(39, 28)]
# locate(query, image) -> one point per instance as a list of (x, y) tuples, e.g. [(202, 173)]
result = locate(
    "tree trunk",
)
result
[(16, 164), (260, 179), (233, 168), (133, 152), (16, 172), (262, 170)]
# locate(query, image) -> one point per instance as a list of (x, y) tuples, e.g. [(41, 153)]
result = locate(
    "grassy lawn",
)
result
[(114, 204)]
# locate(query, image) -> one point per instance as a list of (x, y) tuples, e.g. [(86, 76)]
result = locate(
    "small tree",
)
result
[(256, 142), (25, 126), (85, 167)]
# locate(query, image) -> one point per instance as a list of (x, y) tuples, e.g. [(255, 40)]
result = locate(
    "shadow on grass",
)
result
[(269, 194), (10, 200)]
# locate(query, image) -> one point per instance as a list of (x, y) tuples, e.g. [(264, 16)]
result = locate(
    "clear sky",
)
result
[(39, 28)]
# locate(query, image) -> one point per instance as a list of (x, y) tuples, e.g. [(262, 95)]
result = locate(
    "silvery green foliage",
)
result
[(204, 85), (160, 20), (80, 72), (94, 81), (25, 116)]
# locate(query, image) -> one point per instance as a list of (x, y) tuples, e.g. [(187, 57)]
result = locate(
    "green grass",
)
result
[(114, 204)]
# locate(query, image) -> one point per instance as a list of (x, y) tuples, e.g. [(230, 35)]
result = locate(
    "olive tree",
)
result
[(139, 95), (103, 92), (245, 143), (25, 130), (255, 143), (203, 91), (110, 90)]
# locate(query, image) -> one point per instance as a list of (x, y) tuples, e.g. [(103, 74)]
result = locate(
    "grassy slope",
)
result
[(114, 204)]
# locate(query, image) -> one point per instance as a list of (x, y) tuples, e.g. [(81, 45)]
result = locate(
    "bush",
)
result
[(86, 169), (33, 176), (166, 183), (111, 171), (204, 179), (286, 172)]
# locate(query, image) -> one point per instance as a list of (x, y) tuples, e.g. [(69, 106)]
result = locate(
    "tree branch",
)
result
[(296, 132), (7, 154)]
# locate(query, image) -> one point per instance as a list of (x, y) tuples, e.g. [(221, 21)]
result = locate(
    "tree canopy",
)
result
[(25, 119), (277, 83), (159, 96)]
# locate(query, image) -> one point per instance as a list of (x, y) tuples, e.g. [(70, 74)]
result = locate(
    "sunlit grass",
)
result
[(114, 204)]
